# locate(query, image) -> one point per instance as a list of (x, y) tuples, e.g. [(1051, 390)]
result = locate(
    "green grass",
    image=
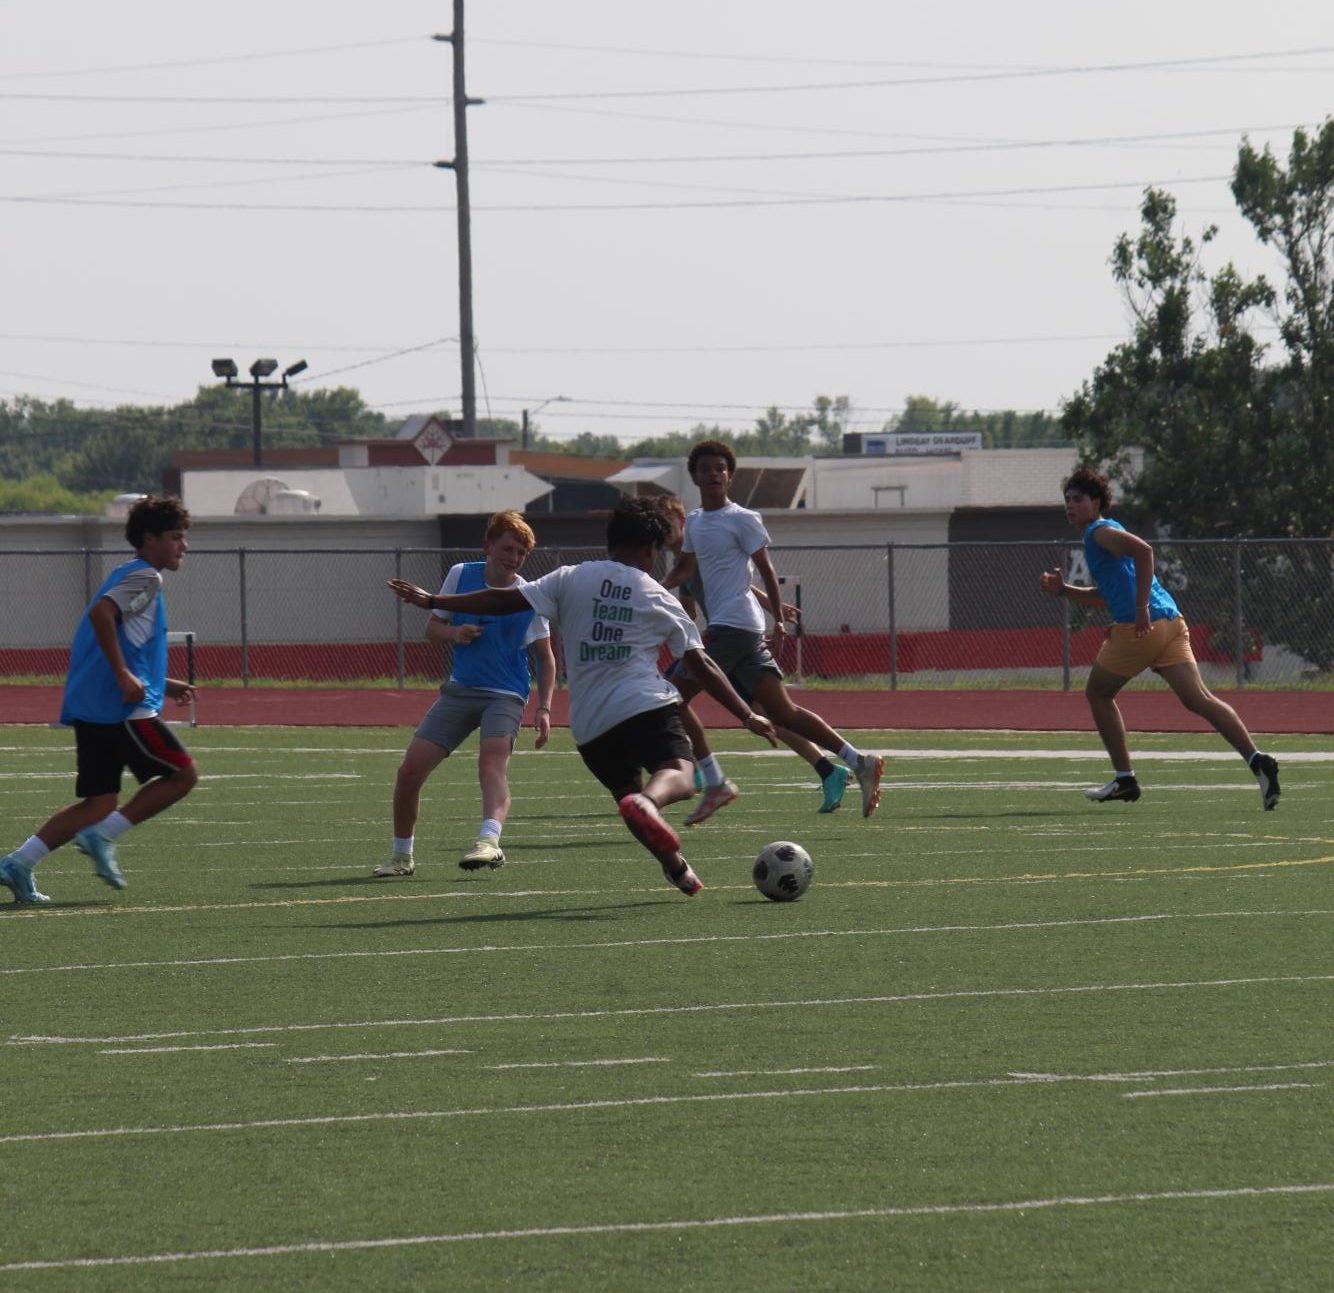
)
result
[(1008, 1041)]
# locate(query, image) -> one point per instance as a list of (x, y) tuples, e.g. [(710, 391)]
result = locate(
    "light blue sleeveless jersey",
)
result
[(91, 694), (498, 660), (1115, 577)]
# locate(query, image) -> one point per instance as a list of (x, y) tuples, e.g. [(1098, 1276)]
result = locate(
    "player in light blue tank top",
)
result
[(114, 692), (1148, 632)]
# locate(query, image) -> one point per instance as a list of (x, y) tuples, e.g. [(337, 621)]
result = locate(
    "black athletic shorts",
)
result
[(643, 741), (147, 746)]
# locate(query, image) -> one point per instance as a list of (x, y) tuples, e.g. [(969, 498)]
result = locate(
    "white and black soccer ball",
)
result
[(783, 871)]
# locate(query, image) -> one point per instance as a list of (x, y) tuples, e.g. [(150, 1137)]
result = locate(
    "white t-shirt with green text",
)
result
[(613, 620)]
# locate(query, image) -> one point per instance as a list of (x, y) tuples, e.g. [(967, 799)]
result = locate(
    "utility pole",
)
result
[(467, 344)]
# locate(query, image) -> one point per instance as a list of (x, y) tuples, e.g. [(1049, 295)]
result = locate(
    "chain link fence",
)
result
[(960, 615)]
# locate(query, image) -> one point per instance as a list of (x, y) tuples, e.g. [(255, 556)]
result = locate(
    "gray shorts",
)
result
[(462, 710), (742, 655)]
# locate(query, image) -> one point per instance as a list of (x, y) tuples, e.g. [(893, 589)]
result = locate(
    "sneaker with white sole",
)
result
[(1266, 773), (16, 876), (486, 852), (92, 843), (398, 864), (713, 798), (832, 788), (870, 768), (1125, 789)]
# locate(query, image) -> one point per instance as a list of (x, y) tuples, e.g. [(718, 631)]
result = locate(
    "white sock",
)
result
[(403, 844), (32, 850), (489, 830), (114, 825), (710, 771), (1251, 758), (1120, 776), (850, 755)]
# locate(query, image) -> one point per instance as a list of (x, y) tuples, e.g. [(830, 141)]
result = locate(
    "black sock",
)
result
[(824, 768)]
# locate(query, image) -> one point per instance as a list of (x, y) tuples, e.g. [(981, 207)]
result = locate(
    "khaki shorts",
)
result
[(1125, 655)]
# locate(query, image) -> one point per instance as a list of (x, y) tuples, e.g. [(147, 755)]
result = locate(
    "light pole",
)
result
[(260, 369), (555, 399)]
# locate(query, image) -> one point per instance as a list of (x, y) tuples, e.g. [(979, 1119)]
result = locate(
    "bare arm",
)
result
[(790, 613), (1121, 543), (714, 681), (485, 601), (679, 573), (769, 575), (1051, 581), (103, 617), (546, 684), (443, 633)]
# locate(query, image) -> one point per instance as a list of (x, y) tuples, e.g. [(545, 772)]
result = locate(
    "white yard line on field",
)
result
[(681, 940), (1221, 1090), (175, 1050), (626, 1012), (1136, 1198), (382, 1055)]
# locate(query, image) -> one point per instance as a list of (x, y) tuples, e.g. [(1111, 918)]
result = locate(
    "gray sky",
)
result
[(681, 213)]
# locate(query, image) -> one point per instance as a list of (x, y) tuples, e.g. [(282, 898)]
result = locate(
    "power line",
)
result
[(869, 199), (261, 55)]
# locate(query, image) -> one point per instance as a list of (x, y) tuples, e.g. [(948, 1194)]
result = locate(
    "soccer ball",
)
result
[(783, 871)]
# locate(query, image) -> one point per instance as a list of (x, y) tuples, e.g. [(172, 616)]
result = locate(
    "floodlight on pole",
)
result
[(261, 368), (554, 399)]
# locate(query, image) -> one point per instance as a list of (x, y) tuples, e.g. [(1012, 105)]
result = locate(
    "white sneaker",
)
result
[(870, 768), (398, 864), (714, 798), (486, 852)]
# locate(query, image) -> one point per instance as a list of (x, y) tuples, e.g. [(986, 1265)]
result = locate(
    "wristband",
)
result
[(543, 709)]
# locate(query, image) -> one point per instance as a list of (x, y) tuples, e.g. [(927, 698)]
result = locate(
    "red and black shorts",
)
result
[(646, 741), (147, 746)]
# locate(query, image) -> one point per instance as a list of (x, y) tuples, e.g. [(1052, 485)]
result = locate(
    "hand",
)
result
[(1143, 624), (542, 726), (131, 688), (1051, 581), (761, 726), (181, 692), (410, 593), (791, 614), (465, 633), (776, 636)]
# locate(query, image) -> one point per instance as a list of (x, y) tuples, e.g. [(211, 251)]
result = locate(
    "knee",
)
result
[(186, 778)]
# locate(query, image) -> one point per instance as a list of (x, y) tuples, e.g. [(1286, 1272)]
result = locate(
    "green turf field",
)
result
[(1009, 1039)]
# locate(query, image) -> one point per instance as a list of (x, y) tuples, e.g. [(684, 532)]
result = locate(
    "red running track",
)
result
[(1031, 711)]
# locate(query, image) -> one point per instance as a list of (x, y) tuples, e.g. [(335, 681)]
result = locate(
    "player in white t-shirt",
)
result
[(614, 618), (722, 539)]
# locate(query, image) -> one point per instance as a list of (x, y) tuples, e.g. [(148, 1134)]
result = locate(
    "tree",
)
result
[(1206, 438)]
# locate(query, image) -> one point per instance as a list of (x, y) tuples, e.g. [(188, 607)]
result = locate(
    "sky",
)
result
[(681, 214)]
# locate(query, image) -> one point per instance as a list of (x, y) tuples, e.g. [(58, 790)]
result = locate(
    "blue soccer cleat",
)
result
[(833, 786), (92, 843), (16, 876)]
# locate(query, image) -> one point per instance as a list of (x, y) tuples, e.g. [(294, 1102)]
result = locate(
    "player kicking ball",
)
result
[(614, 618)]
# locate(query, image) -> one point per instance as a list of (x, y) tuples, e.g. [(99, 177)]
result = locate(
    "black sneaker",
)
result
[(1126, 788), (1266, 773)]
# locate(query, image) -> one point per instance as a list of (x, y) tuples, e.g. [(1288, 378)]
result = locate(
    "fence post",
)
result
[(1238, 627), (245, 627), (893, 624), (398, 617), (1065, 626)]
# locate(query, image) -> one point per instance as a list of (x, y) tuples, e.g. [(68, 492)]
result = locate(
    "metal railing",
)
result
[(955, 615)]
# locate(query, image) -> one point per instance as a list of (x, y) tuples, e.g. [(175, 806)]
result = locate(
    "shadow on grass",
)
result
[(607, 911)]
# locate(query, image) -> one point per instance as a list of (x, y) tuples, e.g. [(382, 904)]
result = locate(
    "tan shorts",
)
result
[(1125, 655)]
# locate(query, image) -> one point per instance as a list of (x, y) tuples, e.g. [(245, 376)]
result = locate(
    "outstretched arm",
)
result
[(485, 601)]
